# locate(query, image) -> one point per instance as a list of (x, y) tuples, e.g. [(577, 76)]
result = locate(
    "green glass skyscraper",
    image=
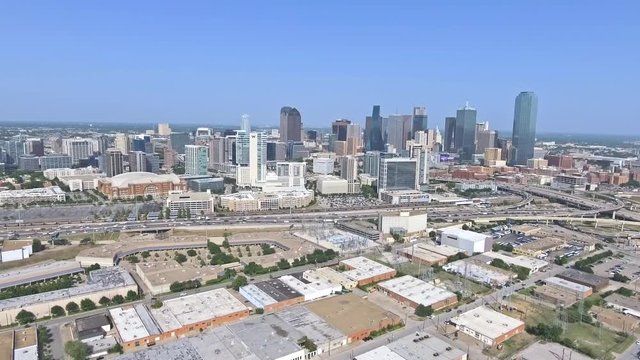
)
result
[(525, 115), (465, 133)]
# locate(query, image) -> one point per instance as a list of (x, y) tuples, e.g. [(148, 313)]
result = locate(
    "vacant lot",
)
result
[(60, 252)]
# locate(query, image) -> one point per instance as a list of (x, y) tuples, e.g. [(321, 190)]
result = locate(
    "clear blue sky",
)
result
[(210, 61)]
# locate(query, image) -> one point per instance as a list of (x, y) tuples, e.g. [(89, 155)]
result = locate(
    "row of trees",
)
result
[(63, 282), (585, 264), (179, 286), (521, 272)]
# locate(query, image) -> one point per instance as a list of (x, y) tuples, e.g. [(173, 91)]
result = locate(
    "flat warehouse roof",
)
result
[(277, 290), (444, 250), (567, 284), (180, 349), (186, 310), (380, 353), (466, 234), (416, 290), (577, 275), (129, 324), (423, 346), (40, 272), (6, 344), (487, 322), (523, 261), (268, 336), (310, 324), (220, 343), (364, 268)]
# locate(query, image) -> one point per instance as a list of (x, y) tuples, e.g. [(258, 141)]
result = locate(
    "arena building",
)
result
[(130, 185)]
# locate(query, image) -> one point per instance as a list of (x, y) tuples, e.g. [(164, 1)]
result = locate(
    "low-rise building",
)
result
[(135, 327), (479, 271), (323, 335), (359, 228), (82, 182), (476, 185), (353, 316), (615, 320), (133, 184), (420, 255), (469, 242), (262, 201), (403, 222), (329, 185), (624, 304), (92, 328), (418, 346), (323, 166), (214, 185), (13, 250), (312, 290), (40, 272), (196, 202), (581, 291), (329, 275), (26, 196), (413, 292), (19, 344), (366, 271), (107, 282), (397, 197), (534, 265), (555, 296), (595, 282), (539, 246), (489, 326), (158, 276), (271, 295)]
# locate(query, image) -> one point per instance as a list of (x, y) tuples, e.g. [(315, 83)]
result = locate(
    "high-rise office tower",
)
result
[(419, 120), (465, 134), (290, 124), (449, 134), (397, 174), (217, 151), (253, 168), (113, 162), (353, 141), (78, 149), (312, 135), (178, 141), (196, 159), (245, 123), (34, 146), (152, 162), (242, 148), (485, 138), (339, 127), (122, 143), (525, 116), (55, 161), (397, 130), (164, 129), (137, 161), (349, 171), (373, 138)]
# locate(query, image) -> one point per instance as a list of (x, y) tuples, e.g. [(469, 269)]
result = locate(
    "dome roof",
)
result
[(139, 177)]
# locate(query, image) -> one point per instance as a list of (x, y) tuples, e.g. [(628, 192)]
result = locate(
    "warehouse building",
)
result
[(311, 290), (534, 265), (269, 337), (595, 282), (353, 316), (271, 295), (413, 292), (330, 276), (403, 222), (489, 326), (158, 276), (92, 328), (418, 346), (26, 196), (581, 291), (468, 242), (325, 336), (539, 246), (366, 271), (13, 250), (418, 254), (199, 311), (20, 344), (480, 272), (106, 282), (443, 250), (135, 327), (615, 320), (555, 296)]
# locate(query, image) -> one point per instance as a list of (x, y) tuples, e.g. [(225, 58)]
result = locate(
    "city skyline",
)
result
[(171, 63)]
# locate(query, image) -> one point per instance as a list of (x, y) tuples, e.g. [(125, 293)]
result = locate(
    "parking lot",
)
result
[(357, 201), (628, 266)]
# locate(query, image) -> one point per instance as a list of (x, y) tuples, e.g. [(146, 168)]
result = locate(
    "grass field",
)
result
[(511, 346), (62, 252), (108, 236)]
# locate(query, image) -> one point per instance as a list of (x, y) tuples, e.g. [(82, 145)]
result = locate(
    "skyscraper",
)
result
[(449, 133), (525, 116), (164, 129), (349, 171), (137, 161), (465, 134), (397, 130), (245, 123), (373, 131), (113, 162), (252, 163), (178, 141), (77, 148), (290, 124), (397, 174), (339, 127), (419, 120), (196, 159)]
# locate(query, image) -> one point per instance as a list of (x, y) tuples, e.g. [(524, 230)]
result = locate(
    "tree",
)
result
[(117, 299), (36, 245), (24, 317), (625, 292), (229, 273), (283, 264), (57, 311), (191, 253), (432, 235), (259, 311), (133, 259), (77, 350), (180, 258), (145, 254), (92, 267), (465, 227), (104, 301), (157, 304), (132, 295), (72, 307), (423, 311), (308, 344), (547, 332), (238, 282), (115, 349), (620, 278), (87, 305)]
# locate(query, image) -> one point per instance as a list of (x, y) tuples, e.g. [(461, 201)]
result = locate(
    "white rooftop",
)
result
[(380, 353), (523, 261), (186, 310), (558, 282), (466, 234), (128, 323), (487, 322), (364, 268), (256, 294), (416, 290), (307, 288)]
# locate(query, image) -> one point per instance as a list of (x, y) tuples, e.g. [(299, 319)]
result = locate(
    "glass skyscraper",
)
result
[(397, 174), (465, 134), (525, 116), (373, 131)]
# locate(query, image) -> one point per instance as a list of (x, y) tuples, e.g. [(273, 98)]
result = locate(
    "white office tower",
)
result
[(245, 123), (421, 154), (78, 149), (251, 158), (122, 143), (291, 174), (196, 159), (323, 166), (349, 172)]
